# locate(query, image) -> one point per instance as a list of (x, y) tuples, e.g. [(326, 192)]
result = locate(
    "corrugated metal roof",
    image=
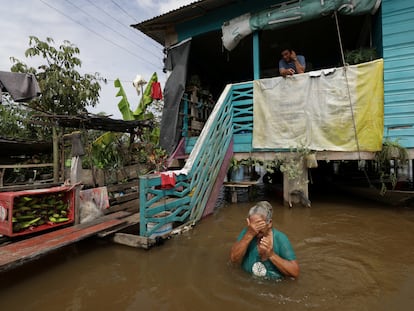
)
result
[(156, 27)]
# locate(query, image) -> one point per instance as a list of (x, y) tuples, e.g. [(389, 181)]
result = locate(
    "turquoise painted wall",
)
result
[(214, 20), (398, 53)]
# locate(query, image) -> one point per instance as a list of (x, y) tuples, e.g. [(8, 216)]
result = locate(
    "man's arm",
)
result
[(300, 68), (285, 71)]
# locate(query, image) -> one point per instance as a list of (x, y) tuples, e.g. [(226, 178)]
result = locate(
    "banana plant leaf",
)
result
[(123, 104), (146, 99), (105, 139)]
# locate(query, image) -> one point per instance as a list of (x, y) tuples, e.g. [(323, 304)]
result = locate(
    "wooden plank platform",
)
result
[(133, 240), (129, 221), (241, 184), (15, 254)]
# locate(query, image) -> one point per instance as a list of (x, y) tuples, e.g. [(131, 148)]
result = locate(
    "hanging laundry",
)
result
[(167, 180), (156, 92)]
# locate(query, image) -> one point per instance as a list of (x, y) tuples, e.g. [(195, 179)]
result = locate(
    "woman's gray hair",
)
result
[(263, 208)]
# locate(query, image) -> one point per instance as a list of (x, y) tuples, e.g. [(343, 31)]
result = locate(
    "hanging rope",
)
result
[(345, 65)]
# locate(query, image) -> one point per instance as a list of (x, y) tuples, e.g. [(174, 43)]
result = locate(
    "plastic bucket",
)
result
[(166, 228), (237, 174), (160, 231)]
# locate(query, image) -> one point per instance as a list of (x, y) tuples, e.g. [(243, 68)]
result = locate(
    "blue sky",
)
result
[(110, 46)]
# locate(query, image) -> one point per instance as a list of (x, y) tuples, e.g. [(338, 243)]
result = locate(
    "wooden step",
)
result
[(130, 221)]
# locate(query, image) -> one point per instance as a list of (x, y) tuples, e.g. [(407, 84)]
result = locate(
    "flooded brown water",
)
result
[(353, 255)]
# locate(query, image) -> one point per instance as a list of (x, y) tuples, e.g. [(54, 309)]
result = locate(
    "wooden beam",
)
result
[(29, 187), (130, 221), (132, 206), (122, 186), (320, 155), (132, 240), (341, 155), (124, 198), (26, 165)]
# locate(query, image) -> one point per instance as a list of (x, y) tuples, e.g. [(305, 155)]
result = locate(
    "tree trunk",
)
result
[(55, 155)]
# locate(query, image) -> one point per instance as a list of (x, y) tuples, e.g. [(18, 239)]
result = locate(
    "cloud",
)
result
[(162, 6), (169, 5)]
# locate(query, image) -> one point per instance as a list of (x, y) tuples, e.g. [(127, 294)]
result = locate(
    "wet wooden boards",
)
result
[(15, 254)]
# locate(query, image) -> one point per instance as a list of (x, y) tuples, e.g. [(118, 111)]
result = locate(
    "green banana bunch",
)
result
[(37, 210)]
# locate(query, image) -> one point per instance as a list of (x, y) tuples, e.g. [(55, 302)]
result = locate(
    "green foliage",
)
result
[(123, 104), (64, 90), (146, 152), (391, 151), (141, 113), (292, 168), (146, 100), (17, 121), (292, 165), (109, 153), (360, 55), (112, 151)]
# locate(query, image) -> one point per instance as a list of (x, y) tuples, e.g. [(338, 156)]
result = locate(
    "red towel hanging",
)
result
[(167, 180), (156, 92)]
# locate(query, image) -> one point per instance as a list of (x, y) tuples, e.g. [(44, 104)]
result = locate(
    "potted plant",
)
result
[(360, 55), (391, 152), (236, 170)]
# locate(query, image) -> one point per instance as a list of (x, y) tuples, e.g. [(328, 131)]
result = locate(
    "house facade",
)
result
[(387, 28), (219, 51)]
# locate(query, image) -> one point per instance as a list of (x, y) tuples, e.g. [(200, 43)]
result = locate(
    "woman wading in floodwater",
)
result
[(261, 249)]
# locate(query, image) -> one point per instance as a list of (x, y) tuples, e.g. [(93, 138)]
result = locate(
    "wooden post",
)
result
[(298, 184), (256, 56), (75, 177), (76, 168), (55, 154), (3, 170)]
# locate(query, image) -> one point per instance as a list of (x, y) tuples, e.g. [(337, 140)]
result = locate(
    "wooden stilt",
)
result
[(296, 190)]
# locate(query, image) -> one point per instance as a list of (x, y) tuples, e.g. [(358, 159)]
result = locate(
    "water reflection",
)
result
[(353, 256)]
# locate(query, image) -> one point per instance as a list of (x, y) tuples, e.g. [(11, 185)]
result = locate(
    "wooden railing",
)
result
[(22, 166), (242, 102), (187, 200)]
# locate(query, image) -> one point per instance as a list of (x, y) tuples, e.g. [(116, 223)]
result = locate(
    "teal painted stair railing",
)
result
[(187, 200)]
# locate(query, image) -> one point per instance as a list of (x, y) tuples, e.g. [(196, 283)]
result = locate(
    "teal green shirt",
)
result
[(253, 264)]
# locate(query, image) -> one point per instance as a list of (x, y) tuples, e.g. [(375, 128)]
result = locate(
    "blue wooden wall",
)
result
[(215, 19), (398, 53)]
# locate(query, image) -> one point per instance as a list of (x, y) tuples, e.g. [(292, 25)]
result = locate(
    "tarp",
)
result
[(289, 13), (21, 86), (173, 92), (313, 110)]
